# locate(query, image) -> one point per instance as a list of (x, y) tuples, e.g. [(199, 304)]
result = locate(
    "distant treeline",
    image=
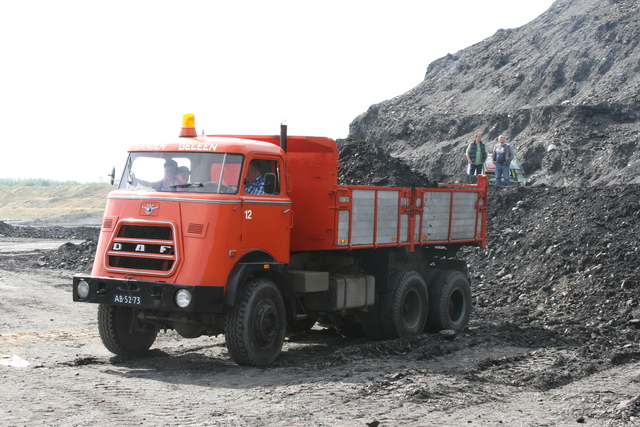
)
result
[(41, 182)]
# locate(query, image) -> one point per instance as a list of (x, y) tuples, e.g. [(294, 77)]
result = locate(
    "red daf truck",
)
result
[(222, 252)]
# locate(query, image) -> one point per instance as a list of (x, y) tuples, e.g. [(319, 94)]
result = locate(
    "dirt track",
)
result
[(479, 378)]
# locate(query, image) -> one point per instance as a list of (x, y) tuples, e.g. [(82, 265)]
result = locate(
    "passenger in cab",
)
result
[(165, 184), (183, 174)]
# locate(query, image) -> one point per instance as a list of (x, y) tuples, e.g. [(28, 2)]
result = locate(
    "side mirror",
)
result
[(112, 175), (269, 183)]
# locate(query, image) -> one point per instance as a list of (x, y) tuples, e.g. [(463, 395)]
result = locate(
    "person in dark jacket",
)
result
[(476, 156), (501, 158)]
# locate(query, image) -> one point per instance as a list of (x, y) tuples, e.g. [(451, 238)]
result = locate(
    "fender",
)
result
[(260, 263)]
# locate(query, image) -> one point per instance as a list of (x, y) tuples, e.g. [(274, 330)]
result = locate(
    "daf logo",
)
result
[(148, 209), (162, 249)]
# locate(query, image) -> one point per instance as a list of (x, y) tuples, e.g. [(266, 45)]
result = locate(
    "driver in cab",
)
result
[(254, 183)]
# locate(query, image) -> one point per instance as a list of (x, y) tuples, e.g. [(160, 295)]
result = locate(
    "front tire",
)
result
[(121, 331), (451, 307), (256, 325), (404, 310)]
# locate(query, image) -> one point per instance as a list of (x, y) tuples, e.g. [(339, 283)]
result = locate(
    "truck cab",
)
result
[(151, 228)]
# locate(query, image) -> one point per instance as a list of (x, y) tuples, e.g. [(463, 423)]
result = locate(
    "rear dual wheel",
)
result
[(402, 312), (449, 302)]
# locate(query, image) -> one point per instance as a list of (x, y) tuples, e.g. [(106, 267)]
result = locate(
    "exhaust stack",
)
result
[(283, 136)]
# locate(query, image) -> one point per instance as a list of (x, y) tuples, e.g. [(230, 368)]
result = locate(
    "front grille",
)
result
[(150, 232), (139, 248), (140, 263)]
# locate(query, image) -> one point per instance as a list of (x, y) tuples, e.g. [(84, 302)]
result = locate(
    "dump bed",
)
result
[(363, 217)]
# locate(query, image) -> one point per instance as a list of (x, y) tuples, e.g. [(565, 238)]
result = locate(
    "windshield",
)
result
[(183, 172)]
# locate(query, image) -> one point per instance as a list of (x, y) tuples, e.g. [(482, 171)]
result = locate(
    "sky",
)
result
[(81, 81)]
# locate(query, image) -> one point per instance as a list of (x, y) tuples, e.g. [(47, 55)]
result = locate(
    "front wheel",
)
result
[(256, 324), (451, 307), (121, 331)]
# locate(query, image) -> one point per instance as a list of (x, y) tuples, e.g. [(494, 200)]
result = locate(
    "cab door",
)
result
[(266, 217)]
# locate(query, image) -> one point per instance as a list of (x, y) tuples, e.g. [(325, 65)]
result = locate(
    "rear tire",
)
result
[(404, 310), (121, 331), (256, 324), (451, 307)]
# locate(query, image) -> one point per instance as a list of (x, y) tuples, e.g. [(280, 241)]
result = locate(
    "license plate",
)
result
[(127, 299)]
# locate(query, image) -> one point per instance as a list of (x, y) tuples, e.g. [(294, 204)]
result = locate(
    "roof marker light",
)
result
[(188, 126)]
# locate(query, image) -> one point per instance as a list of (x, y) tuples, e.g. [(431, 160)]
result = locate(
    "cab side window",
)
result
[(262, 177)]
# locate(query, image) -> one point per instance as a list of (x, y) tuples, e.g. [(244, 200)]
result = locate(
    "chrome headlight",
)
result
[(83, 289), (183, 298)]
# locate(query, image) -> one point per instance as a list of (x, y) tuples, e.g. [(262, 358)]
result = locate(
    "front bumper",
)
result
[(148, 295)]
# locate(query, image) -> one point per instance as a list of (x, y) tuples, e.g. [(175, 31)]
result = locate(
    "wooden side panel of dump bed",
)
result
[(383, 216), (373, 219), (450, 216)]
